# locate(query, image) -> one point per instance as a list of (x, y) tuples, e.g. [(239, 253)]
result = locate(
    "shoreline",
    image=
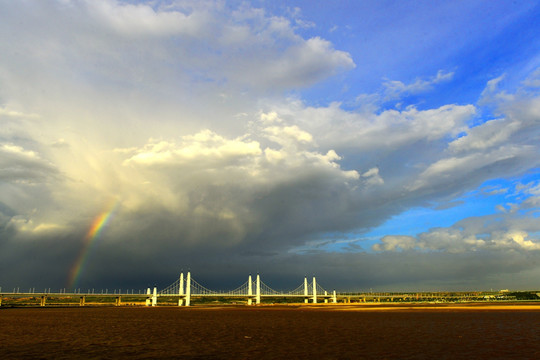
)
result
[(364, 307)]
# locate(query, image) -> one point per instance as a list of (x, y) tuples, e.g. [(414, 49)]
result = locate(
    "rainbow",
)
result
[(93, 233)]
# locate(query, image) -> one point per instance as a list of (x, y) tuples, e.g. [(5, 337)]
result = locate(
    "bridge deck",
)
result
[(338, 295), (61, 294)]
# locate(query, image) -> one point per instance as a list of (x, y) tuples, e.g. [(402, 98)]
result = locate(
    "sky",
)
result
[(378, 145)]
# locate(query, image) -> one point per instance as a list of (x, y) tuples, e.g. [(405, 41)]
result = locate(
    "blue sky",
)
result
[(413, 40), (378, 144)]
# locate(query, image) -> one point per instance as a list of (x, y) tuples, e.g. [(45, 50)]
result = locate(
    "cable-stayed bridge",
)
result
[(253, 290)]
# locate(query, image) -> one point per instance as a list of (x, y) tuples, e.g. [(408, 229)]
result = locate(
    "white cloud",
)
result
[(305, 63), (133, 20), (4, 111), (395, 242), (202, 149), (288, 134), (394, 89), (520, 114), (389, 130), (453, 169), (18, 151), (455, 240), (489, 134), (532, 193), (492, 88), (29, 228), (533, 80), (372, 177), (515, 239), (24, 166)]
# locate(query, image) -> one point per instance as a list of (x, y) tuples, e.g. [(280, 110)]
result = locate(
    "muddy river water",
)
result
[(278, 332)]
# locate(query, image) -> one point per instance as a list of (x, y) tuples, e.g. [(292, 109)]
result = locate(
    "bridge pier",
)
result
[(82, 301), (118, 301), (326, 297), (334, 297), (43, 300)]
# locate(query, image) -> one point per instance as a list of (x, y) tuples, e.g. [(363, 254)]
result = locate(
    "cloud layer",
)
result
[(182, 114)]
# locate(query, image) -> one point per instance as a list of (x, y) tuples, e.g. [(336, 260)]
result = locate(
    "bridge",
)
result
[(186, 288), (253, 290)]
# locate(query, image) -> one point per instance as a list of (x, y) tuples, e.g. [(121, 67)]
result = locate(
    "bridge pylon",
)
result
[(306, 293), (258, 284), (250, 290), (314, 290), (188, 289), (148, 301), (181, 290)]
